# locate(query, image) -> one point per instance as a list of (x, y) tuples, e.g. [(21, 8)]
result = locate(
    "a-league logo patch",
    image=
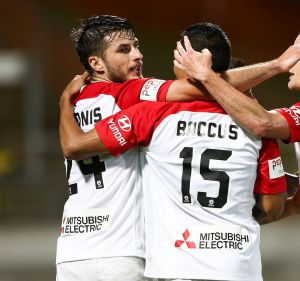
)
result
[(275, 168), (150, 89)]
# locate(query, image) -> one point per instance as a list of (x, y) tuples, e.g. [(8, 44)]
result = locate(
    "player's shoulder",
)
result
[(95, 89), (168, 108), (203, 106)]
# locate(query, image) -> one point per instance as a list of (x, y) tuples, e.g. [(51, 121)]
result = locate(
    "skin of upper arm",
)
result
[(187, 90)]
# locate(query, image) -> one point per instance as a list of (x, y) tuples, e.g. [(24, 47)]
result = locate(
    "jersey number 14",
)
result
[(92, 166)]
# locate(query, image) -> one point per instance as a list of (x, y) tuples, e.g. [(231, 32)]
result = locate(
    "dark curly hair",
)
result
[(93, 34), (236, 62), (210, 36)]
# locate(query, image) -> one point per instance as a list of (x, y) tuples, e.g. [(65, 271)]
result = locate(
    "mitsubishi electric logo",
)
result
[(189, 244), (124, 123), (85, 221), (217, 237)]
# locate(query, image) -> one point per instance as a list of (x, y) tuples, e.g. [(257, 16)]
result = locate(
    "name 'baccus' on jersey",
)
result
[(88, 117), (210, 129)]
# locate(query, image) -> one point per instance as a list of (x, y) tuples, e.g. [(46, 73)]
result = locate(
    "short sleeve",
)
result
[(292, 115), (127, 128), (270, 174)]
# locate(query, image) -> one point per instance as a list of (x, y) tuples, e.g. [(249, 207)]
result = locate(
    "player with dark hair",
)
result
[(210, 36), (92, 37), (102, 236), (281, 123)]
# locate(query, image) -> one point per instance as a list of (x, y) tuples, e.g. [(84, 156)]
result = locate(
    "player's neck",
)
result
[(96, 78)]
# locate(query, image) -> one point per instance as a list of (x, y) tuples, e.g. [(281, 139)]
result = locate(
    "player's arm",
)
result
[(269, 208), (76, 144), (270, 188), (247, 77), (247, 112), (291, 206)]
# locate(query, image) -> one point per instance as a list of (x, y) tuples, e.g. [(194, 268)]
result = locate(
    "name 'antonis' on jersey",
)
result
[(210, 129), (88, 117)]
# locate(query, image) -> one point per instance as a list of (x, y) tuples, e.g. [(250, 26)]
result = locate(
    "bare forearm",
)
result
[(291, 207), (261, 217), (244, 110), (250, 76), (76, 144), (289, 210), (247, 77)]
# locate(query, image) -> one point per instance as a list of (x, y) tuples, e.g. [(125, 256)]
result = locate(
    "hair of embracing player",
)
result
[(211, 36), (92, 35)]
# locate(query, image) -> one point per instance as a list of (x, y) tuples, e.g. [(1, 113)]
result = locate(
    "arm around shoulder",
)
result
[(76, 144), (81, 145)]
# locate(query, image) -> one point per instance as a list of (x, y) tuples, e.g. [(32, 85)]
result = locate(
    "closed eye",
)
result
[(124, 49)]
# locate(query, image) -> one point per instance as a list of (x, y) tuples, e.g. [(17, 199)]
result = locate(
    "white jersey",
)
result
[(103, 215), (199, 175)]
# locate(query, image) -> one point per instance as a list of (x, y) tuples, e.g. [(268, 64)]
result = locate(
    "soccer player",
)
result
[(280, 123), (102, 232), (107, 223), (199, 170)]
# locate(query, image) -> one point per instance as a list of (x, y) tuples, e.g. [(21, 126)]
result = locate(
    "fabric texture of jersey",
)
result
[(199, 175), (292, 115), (103, 216), (104, 269)]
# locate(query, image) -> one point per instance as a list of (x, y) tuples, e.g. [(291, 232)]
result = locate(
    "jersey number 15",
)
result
[(207, 174)]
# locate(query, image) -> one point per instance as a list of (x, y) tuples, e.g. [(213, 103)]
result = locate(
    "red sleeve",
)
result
[(292, 116), (270, 175), (155, 90), (127, 128), (128, 93), (133, 91)]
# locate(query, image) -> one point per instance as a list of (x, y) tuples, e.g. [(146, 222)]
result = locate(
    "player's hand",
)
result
[(75, 85), (290, 57), (195, 64)]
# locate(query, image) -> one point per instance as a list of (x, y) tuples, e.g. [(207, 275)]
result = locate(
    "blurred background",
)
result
[(37, 60)]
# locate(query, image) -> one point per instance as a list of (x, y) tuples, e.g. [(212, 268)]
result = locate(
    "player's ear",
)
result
[(96, 64)]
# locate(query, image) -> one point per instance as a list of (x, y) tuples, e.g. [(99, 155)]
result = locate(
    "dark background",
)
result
[(37, 60)]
